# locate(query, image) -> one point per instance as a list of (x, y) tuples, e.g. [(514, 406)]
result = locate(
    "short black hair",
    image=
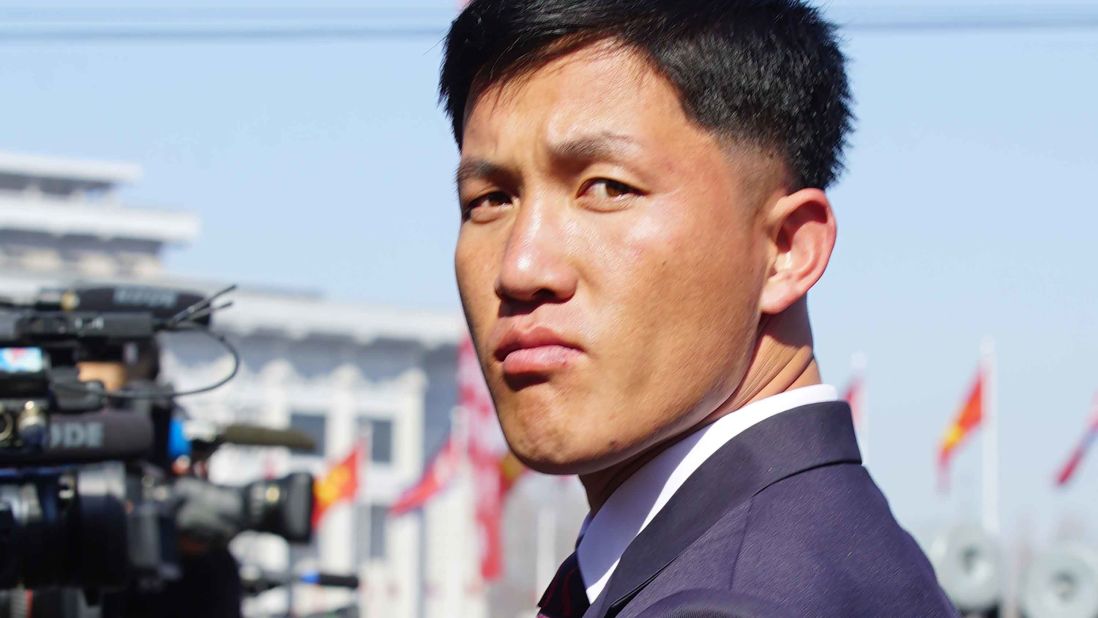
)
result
[(765, 72)]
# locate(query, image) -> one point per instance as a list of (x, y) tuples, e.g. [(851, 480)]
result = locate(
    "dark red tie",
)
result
[(566, 596)]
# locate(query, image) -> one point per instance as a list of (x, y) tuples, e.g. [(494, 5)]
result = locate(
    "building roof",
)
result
[(94, 173), (279, 312), (67, 217), (301, 317)]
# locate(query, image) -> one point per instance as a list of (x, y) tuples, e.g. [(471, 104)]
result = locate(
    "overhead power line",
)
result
[(243, 24), (168, 14), (959, 18), (219, 34)]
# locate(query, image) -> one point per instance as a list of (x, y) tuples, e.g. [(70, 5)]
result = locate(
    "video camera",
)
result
[(90, 496)]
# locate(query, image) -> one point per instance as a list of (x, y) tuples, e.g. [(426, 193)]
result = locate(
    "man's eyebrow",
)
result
[(604, 145), (479, 168)]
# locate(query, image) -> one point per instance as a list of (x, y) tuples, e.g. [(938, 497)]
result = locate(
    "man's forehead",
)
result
[(594, 90), (604, 101)]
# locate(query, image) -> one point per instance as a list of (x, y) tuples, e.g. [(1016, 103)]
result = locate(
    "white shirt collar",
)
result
[(604, 537)]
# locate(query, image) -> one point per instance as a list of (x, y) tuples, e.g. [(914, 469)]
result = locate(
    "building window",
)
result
[(381, 438), (312, 423), (371, 527)]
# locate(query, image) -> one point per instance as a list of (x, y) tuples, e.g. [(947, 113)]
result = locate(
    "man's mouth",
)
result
[(536, 350)]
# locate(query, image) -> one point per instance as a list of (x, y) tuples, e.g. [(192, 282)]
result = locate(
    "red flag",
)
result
[(338, 484), (968, 419), (495, 469), (487, 454), (1068, 470), (436, 475)]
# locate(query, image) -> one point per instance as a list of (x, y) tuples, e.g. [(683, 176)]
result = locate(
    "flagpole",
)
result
[(991, 438), (459, 427), (365, 444), (859, 362)]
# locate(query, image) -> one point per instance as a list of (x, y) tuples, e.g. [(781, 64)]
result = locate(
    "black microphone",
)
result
[(243, 434), (332, 580), (256, 580), (88, 437), (254, 435)]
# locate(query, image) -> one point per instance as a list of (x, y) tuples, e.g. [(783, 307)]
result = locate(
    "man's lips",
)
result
[(535, 351), (540, 359)]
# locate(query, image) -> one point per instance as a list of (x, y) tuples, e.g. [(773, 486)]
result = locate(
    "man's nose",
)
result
[(536, 266)]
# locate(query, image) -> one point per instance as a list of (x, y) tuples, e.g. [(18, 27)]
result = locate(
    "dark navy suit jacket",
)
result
[(781, 521)]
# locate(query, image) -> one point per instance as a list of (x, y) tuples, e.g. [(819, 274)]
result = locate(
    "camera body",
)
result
[(91, 495), (65, 526)]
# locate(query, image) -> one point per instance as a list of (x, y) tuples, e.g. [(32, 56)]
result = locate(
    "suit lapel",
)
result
[(783, 445)]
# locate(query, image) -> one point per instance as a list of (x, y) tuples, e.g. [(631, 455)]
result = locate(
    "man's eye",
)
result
[(604, 188), (489, 201)]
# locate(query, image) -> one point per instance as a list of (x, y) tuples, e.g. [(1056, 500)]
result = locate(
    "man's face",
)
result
[(610, 260), (112, 374)]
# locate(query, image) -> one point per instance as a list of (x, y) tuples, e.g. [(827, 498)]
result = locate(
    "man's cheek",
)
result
[(475, 282)]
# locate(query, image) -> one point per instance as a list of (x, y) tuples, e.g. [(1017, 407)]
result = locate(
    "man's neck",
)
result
[(783, 360)]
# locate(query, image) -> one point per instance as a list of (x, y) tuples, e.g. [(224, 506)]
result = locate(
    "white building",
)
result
[(338, 371)]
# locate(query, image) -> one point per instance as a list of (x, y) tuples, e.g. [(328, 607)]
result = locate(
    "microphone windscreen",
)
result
[(255, 435)]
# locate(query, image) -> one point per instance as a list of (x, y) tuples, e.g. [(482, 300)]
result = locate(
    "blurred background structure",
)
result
[(309, 162)]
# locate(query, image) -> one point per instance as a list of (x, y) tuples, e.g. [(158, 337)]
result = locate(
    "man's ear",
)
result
[(802, 234)]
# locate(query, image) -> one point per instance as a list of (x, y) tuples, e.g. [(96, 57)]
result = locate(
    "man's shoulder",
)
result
[(822, 542), (819, 502), (825, 540)]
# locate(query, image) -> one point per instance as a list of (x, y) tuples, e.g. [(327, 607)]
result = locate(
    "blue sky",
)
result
[(967, 209)]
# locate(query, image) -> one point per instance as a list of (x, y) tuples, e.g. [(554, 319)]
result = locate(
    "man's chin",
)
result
[(566, 461)]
